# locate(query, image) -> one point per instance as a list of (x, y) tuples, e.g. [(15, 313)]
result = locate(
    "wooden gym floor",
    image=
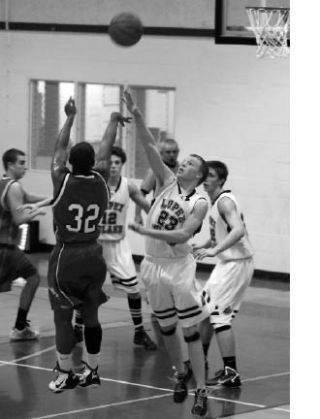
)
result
[(135, 383)]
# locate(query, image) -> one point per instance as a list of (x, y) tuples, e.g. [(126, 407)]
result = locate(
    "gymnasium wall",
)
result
[(229, 106)]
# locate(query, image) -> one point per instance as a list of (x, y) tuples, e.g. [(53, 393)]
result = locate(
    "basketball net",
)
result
[(270, 26)]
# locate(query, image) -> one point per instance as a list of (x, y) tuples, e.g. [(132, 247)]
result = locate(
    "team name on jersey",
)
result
[(115, 206), (175, 208), (171, 214), (212, 224)]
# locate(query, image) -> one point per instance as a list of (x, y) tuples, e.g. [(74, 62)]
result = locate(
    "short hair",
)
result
[(168, 141), (119, 152), (220, 168), (203, 167), (82, 158), (11, 156)]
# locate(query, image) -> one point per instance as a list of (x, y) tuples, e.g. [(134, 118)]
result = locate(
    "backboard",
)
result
[(232, 22)]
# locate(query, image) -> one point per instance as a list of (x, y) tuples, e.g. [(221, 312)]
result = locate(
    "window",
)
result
[(95, 103)]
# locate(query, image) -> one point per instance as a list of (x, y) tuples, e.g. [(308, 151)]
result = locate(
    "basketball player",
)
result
[(116, 249), (169, 151), (231, 275), (13, 262), (76, 266), (168, 270)]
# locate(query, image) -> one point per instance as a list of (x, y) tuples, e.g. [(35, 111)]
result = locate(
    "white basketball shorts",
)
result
[(173, 291), (227, 285), (118, 257)]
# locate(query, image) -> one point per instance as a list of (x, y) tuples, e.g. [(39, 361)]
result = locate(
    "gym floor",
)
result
[(136, 383)]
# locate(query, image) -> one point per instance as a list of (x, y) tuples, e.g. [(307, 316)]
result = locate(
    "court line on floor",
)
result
[(73, 412), (50, 348), (167, 390), (264, 377)]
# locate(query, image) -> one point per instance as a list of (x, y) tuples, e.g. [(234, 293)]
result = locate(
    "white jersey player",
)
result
[(168, 269), (232, 274), (115, 245)]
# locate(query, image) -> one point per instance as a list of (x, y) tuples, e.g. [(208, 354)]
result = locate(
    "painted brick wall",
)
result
[(229, 105)]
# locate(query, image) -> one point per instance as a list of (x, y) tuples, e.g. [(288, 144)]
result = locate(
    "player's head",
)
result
[(169, 151), (193, 168), (117, 160), (82, 158), (14, 163), (217, 176)]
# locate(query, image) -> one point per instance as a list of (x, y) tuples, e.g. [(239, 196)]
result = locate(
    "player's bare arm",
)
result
[(229, 213), (137, 197), (107, 141), (161, 171), (20, 214), (59, 161), (180, 235), (203, 245), (148, 184), (32, 199)]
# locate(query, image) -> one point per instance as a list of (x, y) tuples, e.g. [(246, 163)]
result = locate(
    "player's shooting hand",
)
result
[(120, 118), (70, 107), (127, 99)]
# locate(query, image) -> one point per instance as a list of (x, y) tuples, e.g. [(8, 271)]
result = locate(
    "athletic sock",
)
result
[(78, 320), (135, 311), (230, 361), (64, 361), (21, 319)]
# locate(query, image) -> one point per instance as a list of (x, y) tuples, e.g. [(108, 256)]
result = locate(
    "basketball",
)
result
[(125, 29)]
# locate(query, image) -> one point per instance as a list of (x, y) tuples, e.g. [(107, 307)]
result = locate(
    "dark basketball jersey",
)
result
[(9, 231), (79, 207)]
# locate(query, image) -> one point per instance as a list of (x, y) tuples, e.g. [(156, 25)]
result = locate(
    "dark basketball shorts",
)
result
[(76, 275), (13, 264)]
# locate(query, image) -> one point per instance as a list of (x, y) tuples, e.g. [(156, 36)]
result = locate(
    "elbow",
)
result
[(241, 233)]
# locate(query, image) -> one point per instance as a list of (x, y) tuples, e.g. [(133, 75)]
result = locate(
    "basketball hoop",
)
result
[(270, 26)]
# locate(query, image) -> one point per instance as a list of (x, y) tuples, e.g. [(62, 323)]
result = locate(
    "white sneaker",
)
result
[(65, 380), (25, 334)]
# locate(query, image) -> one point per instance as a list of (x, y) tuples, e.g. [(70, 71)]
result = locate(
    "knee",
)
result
[(168, 330), (33, 280), (191, 334)]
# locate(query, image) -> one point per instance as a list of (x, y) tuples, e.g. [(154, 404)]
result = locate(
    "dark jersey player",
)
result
[(76, 267)]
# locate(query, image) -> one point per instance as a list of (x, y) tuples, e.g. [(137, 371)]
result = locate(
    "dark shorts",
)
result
[(76, 275), (13, 264)]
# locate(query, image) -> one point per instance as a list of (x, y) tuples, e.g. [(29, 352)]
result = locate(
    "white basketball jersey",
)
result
[(169, 212), (219, 229), (113, 223)]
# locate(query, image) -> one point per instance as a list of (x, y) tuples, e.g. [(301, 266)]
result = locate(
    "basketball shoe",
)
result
[(143, 339), (24, 334), (65, 380), (199, 407), (89, 377), (227, 377)]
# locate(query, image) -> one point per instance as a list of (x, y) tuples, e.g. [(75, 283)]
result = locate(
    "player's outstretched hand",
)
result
[(70, 107), (127, 99), (120, 118)]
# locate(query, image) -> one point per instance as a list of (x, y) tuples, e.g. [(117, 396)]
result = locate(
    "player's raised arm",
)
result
[(107, 141), (59, 160), (162, 172), (138, 197)]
